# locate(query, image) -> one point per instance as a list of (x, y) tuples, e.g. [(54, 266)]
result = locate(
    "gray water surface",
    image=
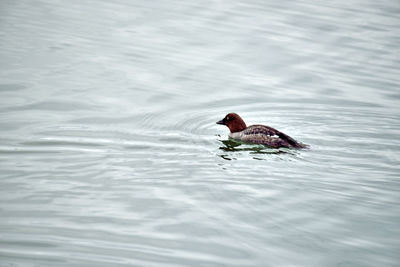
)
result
[(110, 155)]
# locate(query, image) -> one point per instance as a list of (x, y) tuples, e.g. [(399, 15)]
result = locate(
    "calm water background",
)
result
[(110, 155)]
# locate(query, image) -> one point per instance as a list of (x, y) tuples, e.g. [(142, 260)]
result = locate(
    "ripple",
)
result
[(110, 154)]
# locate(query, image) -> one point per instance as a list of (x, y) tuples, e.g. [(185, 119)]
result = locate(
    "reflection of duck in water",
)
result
[(257, 134)]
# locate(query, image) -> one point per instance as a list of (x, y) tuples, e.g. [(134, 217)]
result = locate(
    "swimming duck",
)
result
[(257, 134)]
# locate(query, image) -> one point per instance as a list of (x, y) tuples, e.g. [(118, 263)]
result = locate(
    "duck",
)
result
[(257, 134)]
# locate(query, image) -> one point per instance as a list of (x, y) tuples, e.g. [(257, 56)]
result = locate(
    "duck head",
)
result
[(234, 122)]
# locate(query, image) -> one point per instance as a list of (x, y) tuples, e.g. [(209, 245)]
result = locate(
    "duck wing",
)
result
[(266, 135)]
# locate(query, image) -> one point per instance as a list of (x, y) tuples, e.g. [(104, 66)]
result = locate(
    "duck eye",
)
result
[(227, 118)]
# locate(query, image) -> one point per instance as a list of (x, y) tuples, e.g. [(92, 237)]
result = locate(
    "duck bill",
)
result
[(221, 122)]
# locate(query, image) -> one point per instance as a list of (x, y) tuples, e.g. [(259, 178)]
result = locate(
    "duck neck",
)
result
[(237, 126)]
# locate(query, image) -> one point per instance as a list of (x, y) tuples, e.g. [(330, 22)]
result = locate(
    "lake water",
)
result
[(110, 155)]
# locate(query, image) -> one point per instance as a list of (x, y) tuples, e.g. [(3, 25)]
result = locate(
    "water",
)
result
[(110, 155)]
